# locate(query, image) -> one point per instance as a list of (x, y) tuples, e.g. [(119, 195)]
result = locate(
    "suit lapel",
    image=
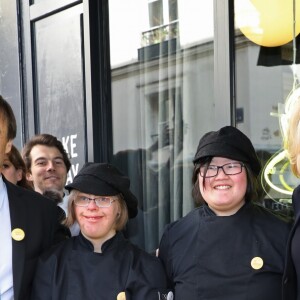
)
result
[(17, 207)]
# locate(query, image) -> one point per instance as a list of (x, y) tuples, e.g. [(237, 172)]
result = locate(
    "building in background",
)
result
[(137, 83)]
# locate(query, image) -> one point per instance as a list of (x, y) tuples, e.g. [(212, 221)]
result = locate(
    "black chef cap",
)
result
[(228, 142), (103, 179)]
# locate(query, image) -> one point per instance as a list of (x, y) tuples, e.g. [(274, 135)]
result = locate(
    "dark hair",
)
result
[(53, 195), (45, 140), (16, 159), (253, 186), (7, 113)]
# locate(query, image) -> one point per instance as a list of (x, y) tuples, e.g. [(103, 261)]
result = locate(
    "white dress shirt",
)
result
[(6, 272)]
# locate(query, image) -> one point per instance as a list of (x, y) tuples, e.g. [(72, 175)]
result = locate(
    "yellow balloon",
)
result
[(267, 23)]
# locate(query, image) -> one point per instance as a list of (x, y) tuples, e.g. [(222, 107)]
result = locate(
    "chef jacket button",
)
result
[(257, 263), (18, 234), (121, 296)]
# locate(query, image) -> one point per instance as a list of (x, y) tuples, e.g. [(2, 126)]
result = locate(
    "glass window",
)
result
[(266, 70), (162, 103), (9, 62), (60, 90), (173, 10), (155, 13)]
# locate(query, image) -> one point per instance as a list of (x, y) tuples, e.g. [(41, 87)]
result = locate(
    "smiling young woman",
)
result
[(99, 263), (98, 216), (230, 247), (224, 185), (14, 168)]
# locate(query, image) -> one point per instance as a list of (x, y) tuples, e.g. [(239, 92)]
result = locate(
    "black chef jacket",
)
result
[(208, 257), (72, 270)]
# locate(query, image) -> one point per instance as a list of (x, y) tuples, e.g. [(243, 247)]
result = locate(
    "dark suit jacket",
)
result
[(290, 276), (37, 217)]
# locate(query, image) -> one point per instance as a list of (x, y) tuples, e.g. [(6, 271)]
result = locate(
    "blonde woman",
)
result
[(291, 280)]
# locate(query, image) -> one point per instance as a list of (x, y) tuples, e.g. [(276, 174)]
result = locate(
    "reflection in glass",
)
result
[(264, 79), (9, 62), (162, 102), (59, 83)]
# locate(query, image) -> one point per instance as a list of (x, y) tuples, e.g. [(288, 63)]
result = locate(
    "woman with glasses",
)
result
[(231, 247), (99, 263)]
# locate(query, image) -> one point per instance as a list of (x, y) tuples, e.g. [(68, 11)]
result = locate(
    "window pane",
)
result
[(60, 89), (173, 15), (156, 13), (162, 101), (9, 62), (264, 78)]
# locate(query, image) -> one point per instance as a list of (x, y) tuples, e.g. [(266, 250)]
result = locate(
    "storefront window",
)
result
[(9, 67), (162, 55), (266, 67)]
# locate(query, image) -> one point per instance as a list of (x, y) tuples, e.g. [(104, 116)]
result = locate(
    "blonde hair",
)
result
[(120, 221), (292, 140)]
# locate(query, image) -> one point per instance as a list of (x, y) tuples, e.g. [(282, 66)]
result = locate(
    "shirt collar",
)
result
[(209, 212), (85, 243), (3, 191)]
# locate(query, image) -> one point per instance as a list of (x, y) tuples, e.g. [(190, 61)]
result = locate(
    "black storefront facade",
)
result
[(141, 96)]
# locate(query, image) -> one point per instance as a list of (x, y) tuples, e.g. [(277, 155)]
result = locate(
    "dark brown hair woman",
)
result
[(14, 169)]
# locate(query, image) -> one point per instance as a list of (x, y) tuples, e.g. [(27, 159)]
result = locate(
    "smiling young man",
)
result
[(29, 223), (48, 164)]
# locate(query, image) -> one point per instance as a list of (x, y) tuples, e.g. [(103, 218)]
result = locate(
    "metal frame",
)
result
[(99, 111), (224, 67)]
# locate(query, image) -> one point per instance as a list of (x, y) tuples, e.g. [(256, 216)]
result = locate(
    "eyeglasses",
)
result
[(228, 169), (103, 201)]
